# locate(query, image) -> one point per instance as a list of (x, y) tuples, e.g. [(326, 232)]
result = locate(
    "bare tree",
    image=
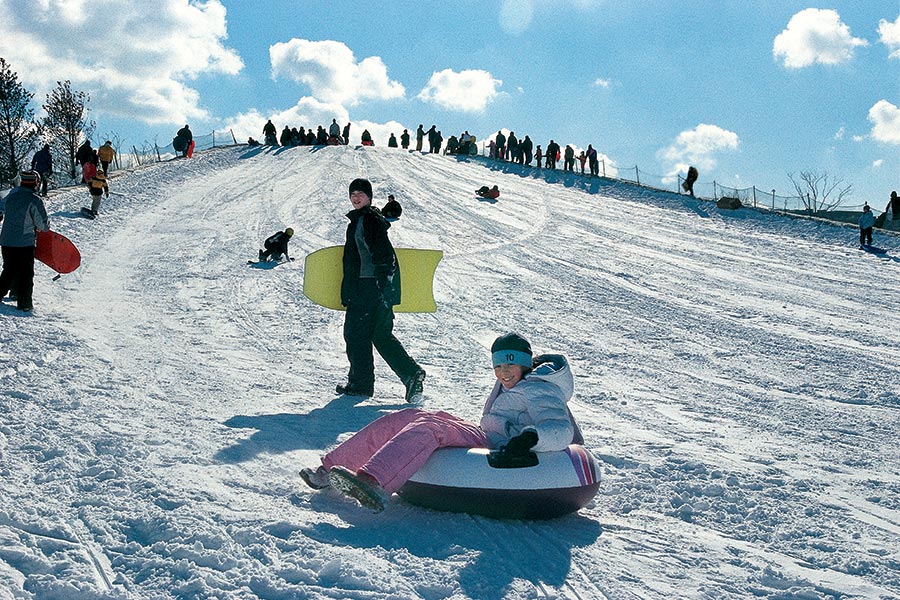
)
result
[(820, 191), (66, 123), (19, 134)]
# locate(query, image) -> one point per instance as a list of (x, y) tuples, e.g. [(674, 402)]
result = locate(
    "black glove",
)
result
[(521, 443)]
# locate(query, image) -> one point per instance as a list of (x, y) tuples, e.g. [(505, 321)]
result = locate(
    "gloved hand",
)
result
[(522, 443)]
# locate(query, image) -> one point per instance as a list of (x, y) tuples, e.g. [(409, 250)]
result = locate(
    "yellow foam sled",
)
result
[(324, 269)]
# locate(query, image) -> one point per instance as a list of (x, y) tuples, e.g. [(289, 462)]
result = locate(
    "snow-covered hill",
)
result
[(737, 375)]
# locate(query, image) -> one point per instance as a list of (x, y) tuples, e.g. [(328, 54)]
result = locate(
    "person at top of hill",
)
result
[(22, 214), (690, 180), (526, 411), (366, 138), (276, 245), (893, 208), (183, 139), (334, 129), (369, 289), (270, 133), (404, 140), (392, 141), (420, 135), (866, 223)]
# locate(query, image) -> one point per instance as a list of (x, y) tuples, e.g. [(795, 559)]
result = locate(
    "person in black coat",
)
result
[(369, 289), (43, 164), (276, 245)]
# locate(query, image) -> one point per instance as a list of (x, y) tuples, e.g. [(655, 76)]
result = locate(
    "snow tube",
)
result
[(461, 480)]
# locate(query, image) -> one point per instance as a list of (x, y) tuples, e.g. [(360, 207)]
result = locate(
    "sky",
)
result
[(742, 397), (747, 92)]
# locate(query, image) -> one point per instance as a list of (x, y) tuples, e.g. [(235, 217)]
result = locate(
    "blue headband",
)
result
[(511, 357)]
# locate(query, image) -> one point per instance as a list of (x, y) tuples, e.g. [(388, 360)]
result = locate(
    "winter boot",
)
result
[(316, 479), (350, 389), (414, 387), (362, 487)]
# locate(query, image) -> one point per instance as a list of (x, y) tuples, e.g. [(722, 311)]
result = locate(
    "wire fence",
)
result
[(713, 191), (151, 152)]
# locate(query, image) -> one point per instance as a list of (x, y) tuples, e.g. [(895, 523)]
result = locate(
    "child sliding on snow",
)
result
[(525, 411), (276, 245)]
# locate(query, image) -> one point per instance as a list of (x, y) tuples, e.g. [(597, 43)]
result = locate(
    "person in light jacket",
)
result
[(22, 214), (526, 411), (866, 223)]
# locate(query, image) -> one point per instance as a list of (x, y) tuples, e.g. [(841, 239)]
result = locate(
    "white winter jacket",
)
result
[(866, 220), (538, 403)]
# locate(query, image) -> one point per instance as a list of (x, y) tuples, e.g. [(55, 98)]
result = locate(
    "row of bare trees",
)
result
[(64, 124)]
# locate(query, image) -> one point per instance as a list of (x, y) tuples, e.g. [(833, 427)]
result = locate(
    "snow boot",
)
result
[(362, 487), (316, 479), (414, 387), (349, 389)]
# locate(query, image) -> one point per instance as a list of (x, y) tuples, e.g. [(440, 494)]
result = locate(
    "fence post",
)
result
[(637, 175), (158, 157), (214, 138), (137, 157), (232, 136), (603, 162), (715, 193)]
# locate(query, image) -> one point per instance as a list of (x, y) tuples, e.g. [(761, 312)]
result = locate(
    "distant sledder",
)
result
[(276, 247), (485, 192)]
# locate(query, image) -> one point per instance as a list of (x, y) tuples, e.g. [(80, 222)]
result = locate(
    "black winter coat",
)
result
[(384, 259)]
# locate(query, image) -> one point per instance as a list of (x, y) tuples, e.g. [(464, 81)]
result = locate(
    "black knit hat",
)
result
[(511, 349), (361, 185)]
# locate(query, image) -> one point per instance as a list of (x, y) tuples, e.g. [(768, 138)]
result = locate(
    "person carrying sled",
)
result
[(183, 139), (526, 411), (22, 213), (276, 245), (366, 138), (690, 180), (369, 289), (486, 192), (97, 186), (866, 223), (42, 164)]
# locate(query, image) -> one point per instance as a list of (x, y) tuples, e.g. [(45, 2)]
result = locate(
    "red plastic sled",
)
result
[(57, 252), (190, 149)]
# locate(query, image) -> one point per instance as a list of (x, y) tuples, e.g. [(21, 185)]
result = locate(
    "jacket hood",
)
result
[(554, 368)]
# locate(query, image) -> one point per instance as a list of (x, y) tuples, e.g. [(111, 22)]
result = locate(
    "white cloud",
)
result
[(602, 83), (815, 36), (885, 118), (330, 70), (697, 147), (131, 65), (839, 134), (467, 91), (876, 164), (890, 36)]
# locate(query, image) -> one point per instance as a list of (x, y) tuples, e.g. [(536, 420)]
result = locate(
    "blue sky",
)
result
[(748, 92)]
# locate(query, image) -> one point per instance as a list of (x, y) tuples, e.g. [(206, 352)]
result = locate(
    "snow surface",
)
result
[(737, 377)]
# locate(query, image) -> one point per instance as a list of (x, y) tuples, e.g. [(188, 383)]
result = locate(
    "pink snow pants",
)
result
[(392, 448)]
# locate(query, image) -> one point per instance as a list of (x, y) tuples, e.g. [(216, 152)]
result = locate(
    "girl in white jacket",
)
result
[(525, 411)]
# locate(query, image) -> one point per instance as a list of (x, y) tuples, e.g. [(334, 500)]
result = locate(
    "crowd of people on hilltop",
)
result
[(335, 135)]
